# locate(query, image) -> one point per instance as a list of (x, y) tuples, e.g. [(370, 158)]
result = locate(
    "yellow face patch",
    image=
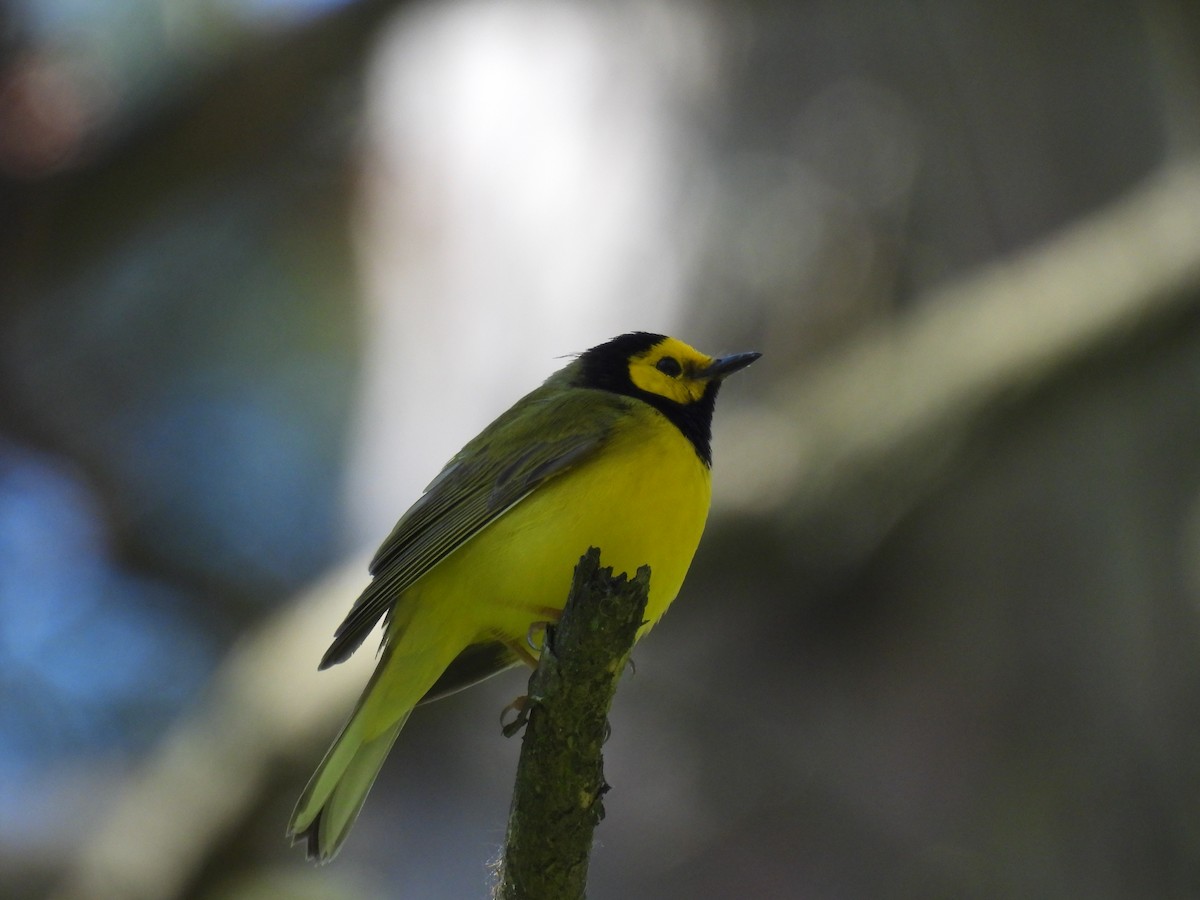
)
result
[(671, 369)]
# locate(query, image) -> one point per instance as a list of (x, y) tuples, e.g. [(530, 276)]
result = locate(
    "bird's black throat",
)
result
[(606, 367)]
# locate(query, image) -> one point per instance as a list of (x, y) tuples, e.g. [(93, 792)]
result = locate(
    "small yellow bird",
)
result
[(612, 451)]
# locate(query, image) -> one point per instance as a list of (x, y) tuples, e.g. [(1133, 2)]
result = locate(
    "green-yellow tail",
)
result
[(410, 664), (334, 795)]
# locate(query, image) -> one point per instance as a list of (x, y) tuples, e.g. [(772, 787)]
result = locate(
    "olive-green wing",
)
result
[(542, 436)]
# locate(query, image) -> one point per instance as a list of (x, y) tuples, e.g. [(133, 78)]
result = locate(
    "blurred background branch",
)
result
[(264, 709), (271, 117), (877, 424)]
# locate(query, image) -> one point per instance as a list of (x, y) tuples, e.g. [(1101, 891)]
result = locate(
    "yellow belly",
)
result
[(643, 501)]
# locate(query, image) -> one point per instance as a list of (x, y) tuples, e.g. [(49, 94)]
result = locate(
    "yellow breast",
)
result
[(643, 500)]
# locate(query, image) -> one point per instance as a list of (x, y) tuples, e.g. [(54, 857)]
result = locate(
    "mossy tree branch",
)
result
[(558, 799)]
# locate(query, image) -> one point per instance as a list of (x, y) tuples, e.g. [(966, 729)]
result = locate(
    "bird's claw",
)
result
[(520, 710), (535, 637)]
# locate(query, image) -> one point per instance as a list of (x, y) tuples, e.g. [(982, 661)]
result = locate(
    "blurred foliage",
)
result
[(999, 700), (178, 337)]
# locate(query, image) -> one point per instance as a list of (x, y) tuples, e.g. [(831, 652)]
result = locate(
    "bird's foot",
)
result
[(519, 710)]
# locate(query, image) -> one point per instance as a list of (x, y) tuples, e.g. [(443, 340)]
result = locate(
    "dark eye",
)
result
[(670, 367)]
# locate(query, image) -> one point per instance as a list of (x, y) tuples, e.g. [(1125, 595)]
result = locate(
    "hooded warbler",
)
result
[(611, 451)]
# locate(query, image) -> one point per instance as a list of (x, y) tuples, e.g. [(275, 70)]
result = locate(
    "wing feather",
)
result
[(558, 428)]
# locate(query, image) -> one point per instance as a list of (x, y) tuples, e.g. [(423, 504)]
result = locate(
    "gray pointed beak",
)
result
[(727, 365)]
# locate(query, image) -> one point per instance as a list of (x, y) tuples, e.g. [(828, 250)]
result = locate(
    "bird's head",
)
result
[(641, 363), (678, 380)]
